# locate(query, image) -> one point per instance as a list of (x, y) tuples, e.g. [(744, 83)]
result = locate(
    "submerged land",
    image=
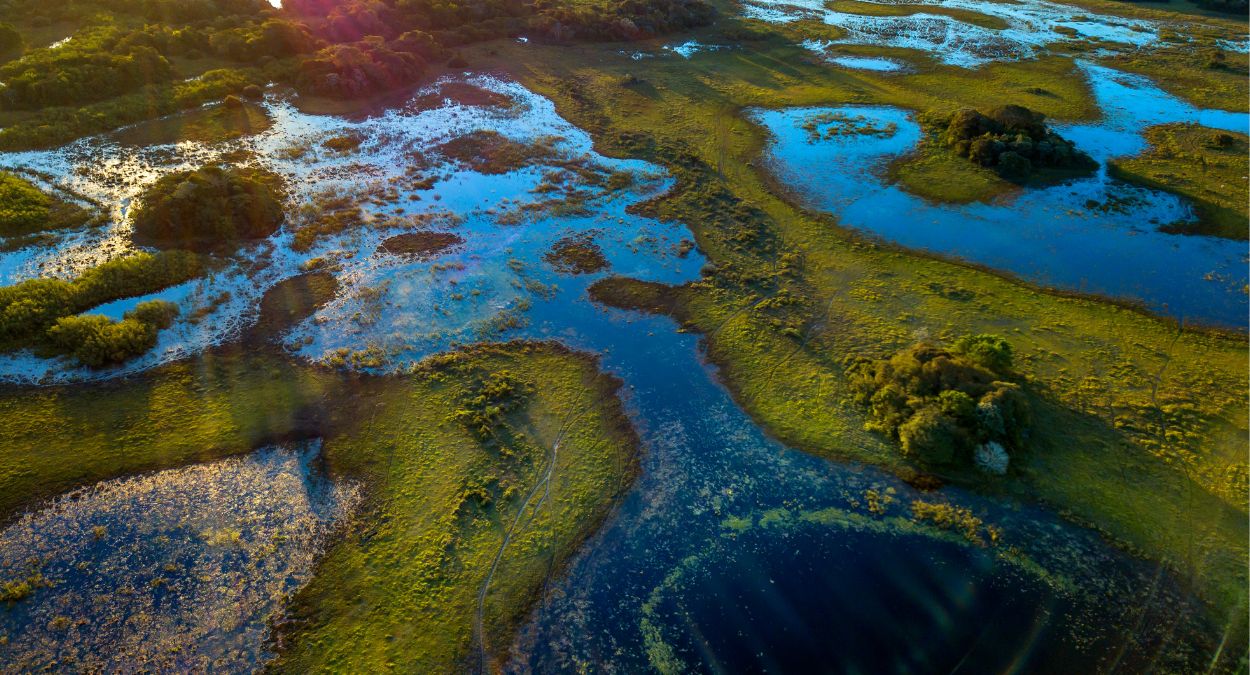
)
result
[(454, 259)]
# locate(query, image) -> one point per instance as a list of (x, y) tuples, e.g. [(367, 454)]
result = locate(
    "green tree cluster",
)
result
[(97, 341), (209, 208), (942, 404), (1012, 140), (28, 309)]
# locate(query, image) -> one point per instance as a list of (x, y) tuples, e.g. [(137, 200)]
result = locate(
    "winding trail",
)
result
[(479, 633)]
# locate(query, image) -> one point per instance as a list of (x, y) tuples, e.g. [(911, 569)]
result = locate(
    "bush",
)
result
[(941, 405), (209, 208), (29, 308), (358, 69), (157, 313), (97, 64), (934, 438), (989, 351), (10, 40), (99, 341), (1012, 140)]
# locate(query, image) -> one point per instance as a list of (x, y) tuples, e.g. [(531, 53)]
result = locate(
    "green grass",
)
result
[(401, 592), (1188, 72), (401, 586), (1206, 166), (940, 175), (1146, 427)]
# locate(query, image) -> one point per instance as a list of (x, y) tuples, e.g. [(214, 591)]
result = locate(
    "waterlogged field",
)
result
[(1091, 235), (549, 365), (181, 569)]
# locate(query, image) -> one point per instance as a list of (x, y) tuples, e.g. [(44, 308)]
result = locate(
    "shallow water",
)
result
[(717, 502), (175, 570), (1094, 235), (1031, 26)]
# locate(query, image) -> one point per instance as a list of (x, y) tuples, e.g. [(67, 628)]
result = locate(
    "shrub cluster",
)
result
[(96, 64), (209, 208), (23, 207), (947, 408), (28, 309), (1012, 140), (97, 341), (358, 69), (488, 399)]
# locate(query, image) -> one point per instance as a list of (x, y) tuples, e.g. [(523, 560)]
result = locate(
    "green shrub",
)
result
[(209, 208), (98, 63), (157, 313), (1012, 140), (989, 351), (942, 404), (29, 308), (23, 207), (99, 341), (934, 438), (11, 41)]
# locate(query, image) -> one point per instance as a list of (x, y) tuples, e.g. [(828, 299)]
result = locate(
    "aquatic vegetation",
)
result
[(420, 245), (949, 517), (209, 208), (206, 555), (576, 255), (1207, 166), (492, 153)]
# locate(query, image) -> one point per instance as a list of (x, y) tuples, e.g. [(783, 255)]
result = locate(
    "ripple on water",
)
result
[(179, 570)]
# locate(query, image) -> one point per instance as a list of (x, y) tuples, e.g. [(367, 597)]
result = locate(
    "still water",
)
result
[(733, 551), (1094, 235)]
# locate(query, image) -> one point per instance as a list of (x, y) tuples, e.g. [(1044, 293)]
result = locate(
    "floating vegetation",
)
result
[(177, 570), (420, 245), (578, 254), (824, 126)]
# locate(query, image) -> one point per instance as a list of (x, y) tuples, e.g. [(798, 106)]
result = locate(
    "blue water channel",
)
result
[(1094, 235)]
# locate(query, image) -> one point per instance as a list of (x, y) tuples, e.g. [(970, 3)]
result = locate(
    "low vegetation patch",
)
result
[(577, 254), (421, 245), (209, 208), (233, 118), (292, 300), (1206, 166), (490, 152)]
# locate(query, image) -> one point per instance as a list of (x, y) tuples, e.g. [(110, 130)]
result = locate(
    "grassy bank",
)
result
[(1206, 166), (1145, 434), (402, 586)]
